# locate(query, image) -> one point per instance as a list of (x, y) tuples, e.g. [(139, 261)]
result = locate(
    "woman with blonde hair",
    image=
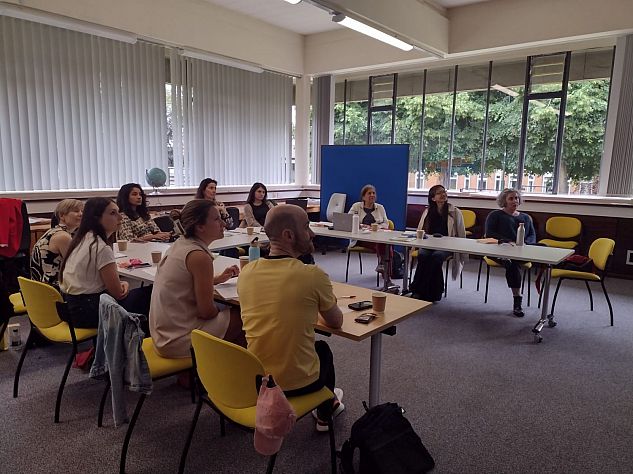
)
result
[(182, 299), (49, 251)]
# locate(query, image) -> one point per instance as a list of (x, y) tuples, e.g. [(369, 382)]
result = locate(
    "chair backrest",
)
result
[(226, 370), (391, 224), (234, 212), (164, 223), (470, 218), (563, 227), (600, 251), (41, 300), (336, 204)]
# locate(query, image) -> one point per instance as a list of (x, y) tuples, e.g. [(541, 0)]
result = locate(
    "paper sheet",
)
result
[(228, 289)]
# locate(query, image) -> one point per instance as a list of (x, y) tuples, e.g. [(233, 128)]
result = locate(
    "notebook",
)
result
[(342, 221)]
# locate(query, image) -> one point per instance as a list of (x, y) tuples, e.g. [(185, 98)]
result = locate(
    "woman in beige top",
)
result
[(182, 299)]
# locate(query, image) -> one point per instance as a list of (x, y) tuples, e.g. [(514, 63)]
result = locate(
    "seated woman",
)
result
[(52, 247), (370, 212), (136, 224), (182, 299), (502, 224), (257, 206), (440, 217), (89, 268), (207, 189)]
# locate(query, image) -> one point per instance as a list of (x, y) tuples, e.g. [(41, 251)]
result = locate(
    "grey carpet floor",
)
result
[(483, 397)]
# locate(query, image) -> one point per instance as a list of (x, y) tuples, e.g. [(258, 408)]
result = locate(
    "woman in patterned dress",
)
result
[(136, 224)]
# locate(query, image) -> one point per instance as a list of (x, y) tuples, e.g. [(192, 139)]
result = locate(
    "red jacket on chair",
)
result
[(10, 226)]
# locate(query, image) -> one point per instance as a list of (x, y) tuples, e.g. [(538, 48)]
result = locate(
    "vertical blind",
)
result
[(78, 111), (230, 124)]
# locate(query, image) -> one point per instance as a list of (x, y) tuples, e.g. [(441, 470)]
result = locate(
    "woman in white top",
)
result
[(370, 212), (182, 299), (49, 251), (89, 268)]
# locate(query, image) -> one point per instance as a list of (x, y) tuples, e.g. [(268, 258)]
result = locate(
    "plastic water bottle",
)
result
[(15, 341), (521, 234), (253, 251), (355, 223)]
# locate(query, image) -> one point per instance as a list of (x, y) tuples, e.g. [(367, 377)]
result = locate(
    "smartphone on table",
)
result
[(365, 318), (360, 305)]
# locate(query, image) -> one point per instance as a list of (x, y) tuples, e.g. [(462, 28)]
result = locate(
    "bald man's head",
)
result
[(288, 226)]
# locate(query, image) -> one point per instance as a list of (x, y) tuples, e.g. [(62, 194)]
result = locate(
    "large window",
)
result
[(465, 123)]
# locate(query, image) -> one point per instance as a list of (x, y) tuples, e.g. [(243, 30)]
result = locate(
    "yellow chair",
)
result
[(361, 250), (600, 253), (159, 368), (562, 228), (228, 373), (470, 219), (18, 303), (44, 302), (526, 266)]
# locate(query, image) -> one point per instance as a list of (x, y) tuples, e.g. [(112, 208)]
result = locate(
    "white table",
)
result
[(548, 256)]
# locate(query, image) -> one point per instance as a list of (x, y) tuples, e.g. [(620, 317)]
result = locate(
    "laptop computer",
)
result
[(342, 221), (301, 202)]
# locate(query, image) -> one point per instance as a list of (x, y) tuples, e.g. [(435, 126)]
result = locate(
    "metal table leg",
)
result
[(545, 317), (374, 369), (405, 279)]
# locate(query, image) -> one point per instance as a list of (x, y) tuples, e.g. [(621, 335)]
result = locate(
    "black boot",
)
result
[(517, 310)]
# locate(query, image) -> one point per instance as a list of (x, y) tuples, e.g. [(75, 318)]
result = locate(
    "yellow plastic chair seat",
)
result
[(301, 404), (561, 244), (360, 249), (161, 366), (492, 263), (18, 304), (61, 333), (559, 273)]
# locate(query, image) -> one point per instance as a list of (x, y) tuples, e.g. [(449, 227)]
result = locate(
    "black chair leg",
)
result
[(529, 282), (560, 280), (128, 434), (347, 268), (446, 279), (332, 445), (271, 464), (60, 392), (104, 397), (590, 295), (487, 283), (16, 378), (604, 289), (185, 451), (481, 261), (360, 262)]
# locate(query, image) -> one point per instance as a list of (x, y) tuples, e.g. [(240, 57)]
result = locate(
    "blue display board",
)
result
[(347, 168)]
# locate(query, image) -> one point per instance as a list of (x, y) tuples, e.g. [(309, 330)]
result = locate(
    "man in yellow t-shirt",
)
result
[(281, 299)]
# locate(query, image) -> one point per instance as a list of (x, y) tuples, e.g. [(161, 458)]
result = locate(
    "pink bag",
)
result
[(274, 417)]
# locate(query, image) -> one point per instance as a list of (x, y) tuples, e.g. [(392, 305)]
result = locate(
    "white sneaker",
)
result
[(321, 425)]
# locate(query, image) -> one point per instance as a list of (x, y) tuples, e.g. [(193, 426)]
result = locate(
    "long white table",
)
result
[(398, 308), (547, 256)]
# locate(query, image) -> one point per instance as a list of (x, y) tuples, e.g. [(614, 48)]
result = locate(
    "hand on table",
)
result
[(227, 274)]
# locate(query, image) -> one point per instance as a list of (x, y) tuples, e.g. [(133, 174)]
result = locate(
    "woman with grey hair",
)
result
[(502, 225)]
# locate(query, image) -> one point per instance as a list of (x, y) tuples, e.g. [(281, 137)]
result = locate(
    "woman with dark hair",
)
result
[(440, 217), (49, 251), (89, 268), (257, 206), (208, 189), (502, 224), (137, 223), (182, 299)]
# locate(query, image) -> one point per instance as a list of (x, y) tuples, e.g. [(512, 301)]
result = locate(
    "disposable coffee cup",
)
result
[(243, 261), (250, 230), (419, 234), (156, 256), (374, 227), (121, 245), (379, 301)]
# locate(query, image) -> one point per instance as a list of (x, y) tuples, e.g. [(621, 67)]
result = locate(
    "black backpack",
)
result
[(397, 265), (387, 444)]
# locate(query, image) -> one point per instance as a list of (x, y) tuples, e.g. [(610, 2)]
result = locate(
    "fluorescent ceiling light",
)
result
[(370, 31), (505, 90), (67, 23), (215, 58), (294, 2)]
